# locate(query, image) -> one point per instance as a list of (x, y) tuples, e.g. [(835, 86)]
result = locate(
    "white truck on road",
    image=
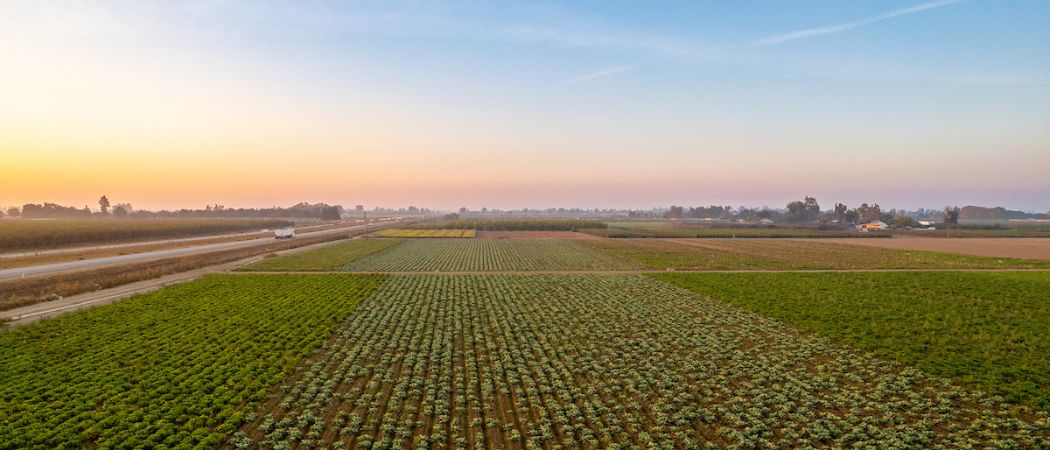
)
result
[(284, 233)]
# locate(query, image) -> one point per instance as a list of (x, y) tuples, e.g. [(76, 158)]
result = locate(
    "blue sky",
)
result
[(513, 104)]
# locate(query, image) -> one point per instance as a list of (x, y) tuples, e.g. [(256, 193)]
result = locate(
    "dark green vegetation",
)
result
[(516, 225), (325, 258), (182, 367), (39, 234), (607, 361), (989, 330), (493, 255), (776, 254)]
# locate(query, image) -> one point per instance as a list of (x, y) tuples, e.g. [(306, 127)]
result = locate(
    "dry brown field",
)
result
[(1023, 248)]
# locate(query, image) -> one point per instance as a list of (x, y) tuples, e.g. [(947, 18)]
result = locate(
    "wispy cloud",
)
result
[(598, 74), (833, 29)]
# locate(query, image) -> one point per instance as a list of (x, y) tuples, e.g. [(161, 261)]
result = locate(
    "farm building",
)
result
[(877, 225)]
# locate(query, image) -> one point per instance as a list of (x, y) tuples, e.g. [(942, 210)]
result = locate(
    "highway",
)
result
[(75, 249), (55, 268)]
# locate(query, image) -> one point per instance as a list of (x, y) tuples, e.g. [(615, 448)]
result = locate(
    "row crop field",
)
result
[(322, 259), (985, 329), (516, 225), (461, 255), (404, 233), (183, 367), (647, 230), (39, 234), (777, 254), (607, 361)]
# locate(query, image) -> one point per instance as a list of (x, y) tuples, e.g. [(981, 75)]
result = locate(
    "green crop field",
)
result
[(454, 255), (607, 361), (773, 254), (182, 367), (322, 259), (989, 330)]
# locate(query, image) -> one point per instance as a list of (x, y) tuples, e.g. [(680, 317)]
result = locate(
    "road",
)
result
[(143, 243), (44, 310), (55, 268)]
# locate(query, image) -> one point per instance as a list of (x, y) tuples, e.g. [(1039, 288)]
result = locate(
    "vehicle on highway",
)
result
[(284, 233)]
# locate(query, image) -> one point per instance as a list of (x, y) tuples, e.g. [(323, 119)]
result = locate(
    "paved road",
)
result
[(44, 310), (50, 269), (302, 229)]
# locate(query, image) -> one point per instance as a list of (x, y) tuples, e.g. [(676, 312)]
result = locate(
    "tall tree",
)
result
[(951, 215), (840, 212), (103, 204)]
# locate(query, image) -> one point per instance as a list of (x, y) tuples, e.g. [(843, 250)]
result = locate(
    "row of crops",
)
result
[(989, 330), (183, 367), (493, 255), (405, 233), (608, 361), (454, 255), (326, 258), (517, 225)]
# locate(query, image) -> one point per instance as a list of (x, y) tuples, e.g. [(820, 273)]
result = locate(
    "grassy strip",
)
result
[(323, 259), (18, 293), (39, 234), (181, 367), (990, 330)]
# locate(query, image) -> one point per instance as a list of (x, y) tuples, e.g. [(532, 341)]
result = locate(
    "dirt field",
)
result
[(534, 235), (1024, 248)]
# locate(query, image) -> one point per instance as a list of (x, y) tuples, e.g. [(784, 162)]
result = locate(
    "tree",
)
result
[(840, 212), (1, 214), (330, 213), (103, 204), (803, 211), (869, 213), (14, 211), (674, 213), (903, 221), (120, 211), (951, 215)]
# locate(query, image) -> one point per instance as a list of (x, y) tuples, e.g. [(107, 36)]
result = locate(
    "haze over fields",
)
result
[(510, 105)]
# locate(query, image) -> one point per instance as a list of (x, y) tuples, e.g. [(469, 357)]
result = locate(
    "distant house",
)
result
[(877, 225), (765, 221)]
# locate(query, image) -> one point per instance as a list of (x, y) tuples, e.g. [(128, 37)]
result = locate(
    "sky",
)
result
[(611, 104)]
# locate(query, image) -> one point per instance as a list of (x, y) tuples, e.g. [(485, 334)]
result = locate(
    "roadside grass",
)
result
[(990, 330), (322, 259)]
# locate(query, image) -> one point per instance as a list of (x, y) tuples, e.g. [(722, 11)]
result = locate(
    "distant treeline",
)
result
[(41, 234), (300, 211), (516, 225)]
